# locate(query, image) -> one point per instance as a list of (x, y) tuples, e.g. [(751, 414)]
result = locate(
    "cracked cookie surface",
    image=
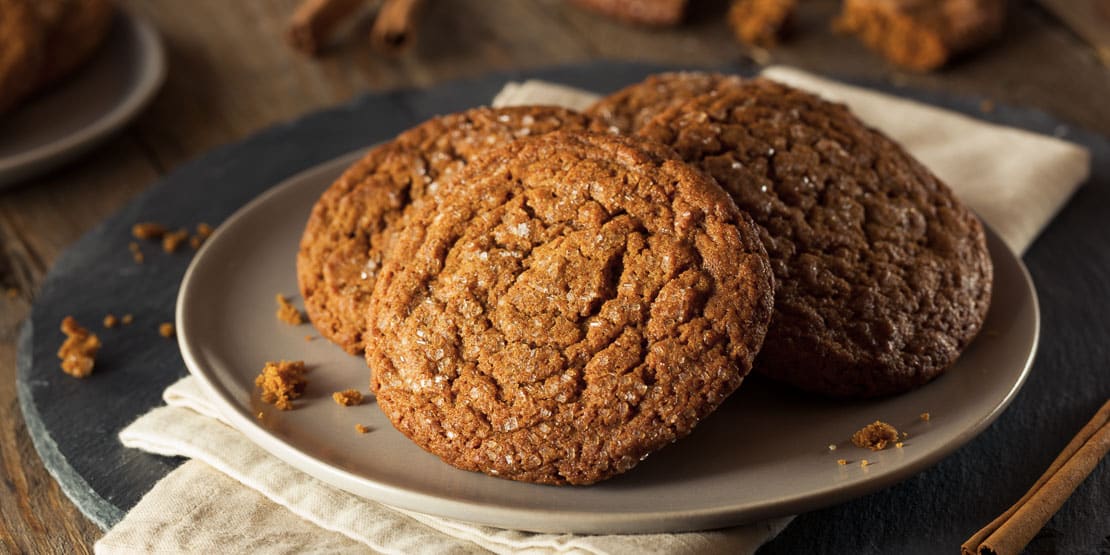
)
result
[(882, 277), (630, 108), (576, 302), (350, 225)]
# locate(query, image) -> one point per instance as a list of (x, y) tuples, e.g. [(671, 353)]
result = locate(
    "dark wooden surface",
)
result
[(230, 74)]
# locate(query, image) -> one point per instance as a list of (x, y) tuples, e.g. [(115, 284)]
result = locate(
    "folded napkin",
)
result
[(232, 496)]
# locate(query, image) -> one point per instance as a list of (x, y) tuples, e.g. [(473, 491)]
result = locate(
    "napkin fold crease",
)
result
[(233, 496)]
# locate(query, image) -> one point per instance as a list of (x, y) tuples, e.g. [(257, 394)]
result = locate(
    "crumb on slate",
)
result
[(110, 321), (172, 241), (165, 329), (148, 230), (347, 398), (875, 436), (78, 350), (127, 319), (288, 313), (281, 382), (362, 429), (136, 252), (203, 232)]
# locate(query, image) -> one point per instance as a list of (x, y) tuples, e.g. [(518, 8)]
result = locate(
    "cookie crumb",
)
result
[(260, 415), (288, 313), (165, 329), (136, 252), (110, 321), (924, 417), (832, 447), (281, 382), (875, 436), (79, 349), (172, 241), (864, 462), (148, 230), (203, 232), (347, 398), (899, 444), (842, 462), (127, 319), (362, 429), (310, 338)]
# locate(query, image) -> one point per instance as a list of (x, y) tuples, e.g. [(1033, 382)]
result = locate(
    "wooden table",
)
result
[(231, 74)]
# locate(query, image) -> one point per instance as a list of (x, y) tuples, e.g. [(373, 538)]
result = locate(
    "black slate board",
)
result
[(74, 423)]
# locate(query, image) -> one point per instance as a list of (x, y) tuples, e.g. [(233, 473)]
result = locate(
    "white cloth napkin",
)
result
[(232, 496)]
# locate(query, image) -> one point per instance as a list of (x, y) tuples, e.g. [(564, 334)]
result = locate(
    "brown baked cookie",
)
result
[(576, 302), (760, 22), (343, 241), (20, 53), (922, 35), (74, 30), (882, 277), (630, 108)]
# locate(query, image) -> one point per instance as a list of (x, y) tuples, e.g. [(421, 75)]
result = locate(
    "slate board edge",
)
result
[(99, 510)]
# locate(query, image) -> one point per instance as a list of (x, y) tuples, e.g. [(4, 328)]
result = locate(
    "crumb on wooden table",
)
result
[(348, 397), (203, 232), (288, 313), (136, 252), (79, 349), (362, 429), (875, 436), (165, 329), (127, 319), (110, 321), (171, 241), (148, 230), (281, 382)]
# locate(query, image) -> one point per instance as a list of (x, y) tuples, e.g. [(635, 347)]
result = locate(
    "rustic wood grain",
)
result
[(231, 73)]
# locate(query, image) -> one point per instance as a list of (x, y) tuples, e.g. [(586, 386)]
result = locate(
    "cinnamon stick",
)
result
[(394, 28), (1014, 529), (314, 21)]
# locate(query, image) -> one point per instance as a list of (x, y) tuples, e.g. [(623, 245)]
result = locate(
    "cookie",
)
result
[(761, 22), (578, 301), (922, 35), (21, 54), (74, 30), (882, 276), (628, 109), (341, 248)]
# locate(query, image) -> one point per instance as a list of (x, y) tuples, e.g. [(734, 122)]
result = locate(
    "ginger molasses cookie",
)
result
[(22, 40), (574, 303), (342, 245), (630, 108), (882, 277), (74, 30)]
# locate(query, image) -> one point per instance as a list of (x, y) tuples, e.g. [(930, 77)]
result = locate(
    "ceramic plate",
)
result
[(86, 107), (764, 453)]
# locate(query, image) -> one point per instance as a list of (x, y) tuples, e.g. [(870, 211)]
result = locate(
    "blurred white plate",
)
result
[(764, 453), (84, 108)]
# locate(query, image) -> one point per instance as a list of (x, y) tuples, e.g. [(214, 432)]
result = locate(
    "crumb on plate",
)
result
[(281, 382), (347, 398), (875, 436)]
